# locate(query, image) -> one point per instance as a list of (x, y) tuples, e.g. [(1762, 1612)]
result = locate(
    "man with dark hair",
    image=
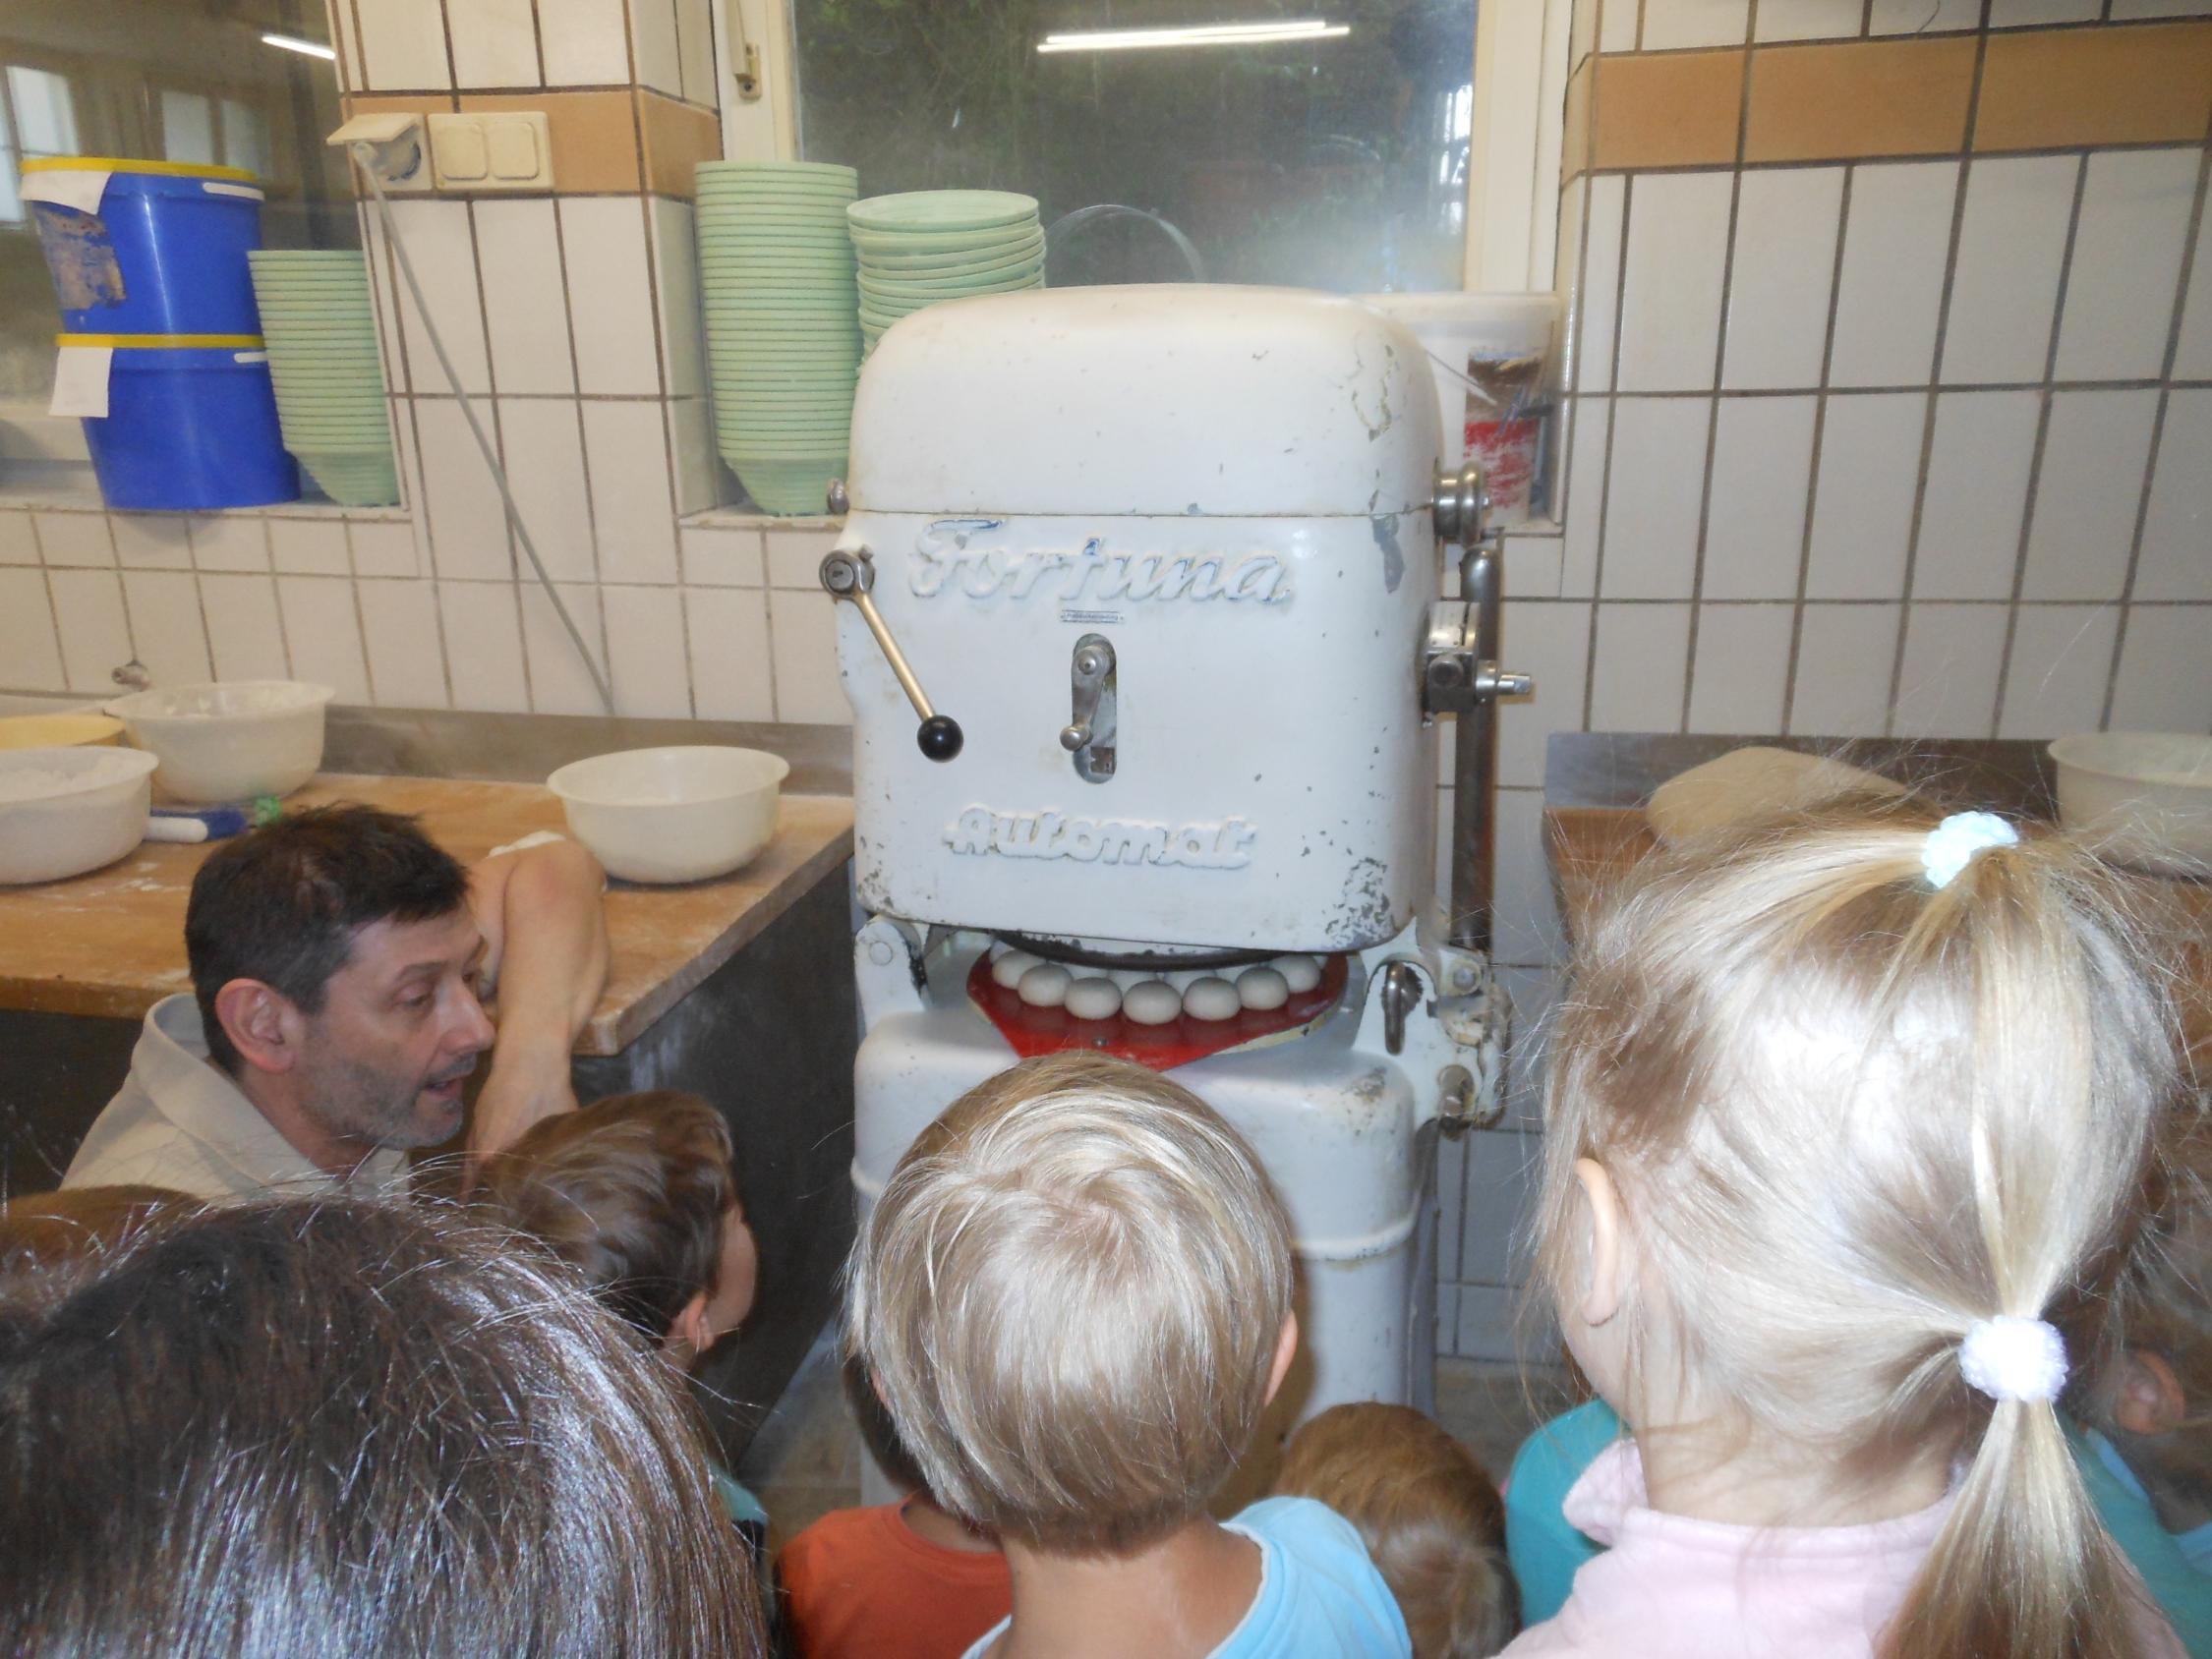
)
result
[(341, 966)]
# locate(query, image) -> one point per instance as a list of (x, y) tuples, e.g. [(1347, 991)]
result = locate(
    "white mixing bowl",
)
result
[(66, 811), (680, 814), (230, 740), (2148, 795)]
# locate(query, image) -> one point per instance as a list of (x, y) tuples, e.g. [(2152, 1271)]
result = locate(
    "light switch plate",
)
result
[(509, 150)]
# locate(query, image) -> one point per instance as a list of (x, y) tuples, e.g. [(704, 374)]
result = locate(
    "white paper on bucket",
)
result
[(80, 188), (81, 381), (215, 187)]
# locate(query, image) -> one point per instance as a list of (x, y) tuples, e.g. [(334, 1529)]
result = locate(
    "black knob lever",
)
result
[(852, 577), (940, 737)]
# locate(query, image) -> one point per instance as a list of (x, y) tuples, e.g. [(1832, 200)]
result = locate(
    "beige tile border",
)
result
[(1857, 99), (2054, 88), (1672, 109)]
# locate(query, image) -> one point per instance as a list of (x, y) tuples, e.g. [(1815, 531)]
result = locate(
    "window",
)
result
[(38, 117), (1321, 144)]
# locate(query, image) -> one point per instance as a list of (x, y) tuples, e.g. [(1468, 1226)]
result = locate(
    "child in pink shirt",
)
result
[(1839, 1117)]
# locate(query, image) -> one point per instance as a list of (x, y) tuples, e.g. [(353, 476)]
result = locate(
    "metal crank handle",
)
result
[(852, 577)]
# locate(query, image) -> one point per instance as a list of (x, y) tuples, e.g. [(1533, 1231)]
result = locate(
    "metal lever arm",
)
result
[(852, 577)]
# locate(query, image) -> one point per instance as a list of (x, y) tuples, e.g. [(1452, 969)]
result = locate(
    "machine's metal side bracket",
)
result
[(887, 959)]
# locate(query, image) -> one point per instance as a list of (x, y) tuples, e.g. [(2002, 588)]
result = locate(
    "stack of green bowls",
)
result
[(930, 244), (329, 384), (782, 342)]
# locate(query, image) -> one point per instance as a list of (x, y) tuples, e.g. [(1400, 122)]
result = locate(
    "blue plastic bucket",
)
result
[(165, 254), (188, 428)]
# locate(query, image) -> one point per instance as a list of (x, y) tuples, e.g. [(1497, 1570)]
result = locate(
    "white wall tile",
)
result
[(1862, 512), (1582, 32), (544, 445), (1762, 469), (230, 541), (2125, 11), (675, 272), (1896, 244), (461, 506), (314, 547), (2061, 663), (2028, 14), (720, 558), (794, 557), (2176, 561), (1502, 1168), (2005, 289), (1566, 273), (653, 38), (691, 445), (324, 633), (609, 294), (494, 43), (1597, 305), (485, 664), (1618, 24), (559, 682), (1741, 670), (244, 633), (526, 300), (1670, 305), (74, 539), (645, 649), (1922, 17), (731, 673), (1653, 497), (19, 542), (348, 44), (695, 48), (384, 283), (1494, 1324), (1533, 565), (1583, 489), (442, 247), (1451, 1192), (1808, 20), (1672, 23), (1533, 994), (406, 656), (152, 540), (403, 46), (803, 629), (1786, 224), (29, 654), (1954, 660), (1548, 639), (384, 548), (95, 637), (2127, 264), (1642, 661), (2192, 351), (2086, 494), (1977, 493), (586, 43), (165, 626), (1526, 930), (1845, 654), (630, 500), (2162, 685)]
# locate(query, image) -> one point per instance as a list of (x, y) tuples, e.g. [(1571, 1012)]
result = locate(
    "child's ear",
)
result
[(1604, 1256), (1286, 1351), (2151, 1399), (689, 1327)]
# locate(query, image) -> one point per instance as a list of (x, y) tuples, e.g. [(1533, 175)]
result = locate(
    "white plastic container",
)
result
[(228, 740), (1490, 355), (686, 813), (2147, 794), (66, 811)]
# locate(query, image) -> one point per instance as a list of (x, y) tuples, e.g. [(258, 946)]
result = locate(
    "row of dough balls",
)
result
[(1149, 998)]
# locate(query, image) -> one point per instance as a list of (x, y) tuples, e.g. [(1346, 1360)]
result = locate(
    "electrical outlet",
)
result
[(507, 150)]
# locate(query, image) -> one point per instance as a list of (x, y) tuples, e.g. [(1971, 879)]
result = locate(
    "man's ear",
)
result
[(1604, 1254), (2150, 1400), (1286, 1351), (689, 1327), (264, 1025)]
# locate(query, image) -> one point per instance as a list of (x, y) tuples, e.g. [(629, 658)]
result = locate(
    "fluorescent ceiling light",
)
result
[(1194, 34), (306, 48)]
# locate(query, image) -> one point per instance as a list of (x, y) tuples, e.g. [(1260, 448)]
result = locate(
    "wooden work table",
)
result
[(111, 943)]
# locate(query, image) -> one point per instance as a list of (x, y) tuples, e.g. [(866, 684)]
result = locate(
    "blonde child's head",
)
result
[(1835, 1114), (1073, 1298), (1428, 1514)]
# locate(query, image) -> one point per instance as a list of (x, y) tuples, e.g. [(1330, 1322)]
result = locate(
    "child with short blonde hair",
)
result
[(1429, 1513), (1837, 1115), (1074, 1298)]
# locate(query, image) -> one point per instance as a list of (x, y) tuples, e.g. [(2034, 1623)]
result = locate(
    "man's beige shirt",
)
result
[(180, 1123)]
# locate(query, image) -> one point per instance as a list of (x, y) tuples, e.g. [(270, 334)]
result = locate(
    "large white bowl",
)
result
[(680, 814), (66, 811), (228, 740), (2146, 796)]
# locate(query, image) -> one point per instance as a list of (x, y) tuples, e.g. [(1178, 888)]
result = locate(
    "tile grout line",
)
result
[(1618, 301)]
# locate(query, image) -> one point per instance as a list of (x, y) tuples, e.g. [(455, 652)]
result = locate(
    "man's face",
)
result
[(398, 1033)]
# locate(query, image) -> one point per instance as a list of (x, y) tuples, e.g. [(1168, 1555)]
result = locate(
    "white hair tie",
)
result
[(1951, 844), (2012, 1358)]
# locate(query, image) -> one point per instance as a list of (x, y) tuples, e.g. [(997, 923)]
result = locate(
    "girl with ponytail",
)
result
[(1841, 1121)]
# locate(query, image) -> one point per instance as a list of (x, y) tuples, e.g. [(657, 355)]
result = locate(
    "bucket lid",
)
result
[(166, 342), (124, 164)]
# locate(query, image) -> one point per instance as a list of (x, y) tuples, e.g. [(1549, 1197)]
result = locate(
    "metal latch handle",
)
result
[(852, 577)]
